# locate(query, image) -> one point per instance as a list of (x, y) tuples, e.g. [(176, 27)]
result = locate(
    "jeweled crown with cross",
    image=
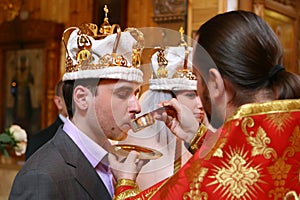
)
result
[(93, 53), (172, 68)]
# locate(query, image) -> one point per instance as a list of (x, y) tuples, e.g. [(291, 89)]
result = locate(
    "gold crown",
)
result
[(162, 71), (84, 56)]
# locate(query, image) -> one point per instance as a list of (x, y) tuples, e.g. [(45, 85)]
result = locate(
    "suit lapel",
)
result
[(84, 173), (89, 179)]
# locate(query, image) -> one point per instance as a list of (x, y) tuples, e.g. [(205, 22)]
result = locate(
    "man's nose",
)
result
[(134, 105)]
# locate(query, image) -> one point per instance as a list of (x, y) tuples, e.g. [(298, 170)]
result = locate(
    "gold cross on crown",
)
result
[(182, 41), (105, 10)]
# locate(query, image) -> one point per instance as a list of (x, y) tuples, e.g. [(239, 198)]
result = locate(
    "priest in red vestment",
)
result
[(255, 154)]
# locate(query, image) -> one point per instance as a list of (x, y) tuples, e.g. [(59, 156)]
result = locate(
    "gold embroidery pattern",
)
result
[(195, 192), (126, 194), (291, 195), (280, 168), (235, 178), (217, 151), (260, 144), (149, 193), (279, 171), (259, 141), (295, 140), (279, 121), (195, 181)]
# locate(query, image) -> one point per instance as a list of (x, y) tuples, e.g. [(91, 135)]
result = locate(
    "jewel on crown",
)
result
[(84, 56), (162, 71), (186, 73)]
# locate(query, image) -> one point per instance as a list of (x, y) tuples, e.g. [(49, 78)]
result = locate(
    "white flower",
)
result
[(20, 148), (13, 138), (19, 134)]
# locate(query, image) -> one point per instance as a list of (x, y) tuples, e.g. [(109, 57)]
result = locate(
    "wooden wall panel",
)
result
[(69, 12), (140, 13), (50, 10), (283, 16), (284, 27), (200, 12), (80, 12)]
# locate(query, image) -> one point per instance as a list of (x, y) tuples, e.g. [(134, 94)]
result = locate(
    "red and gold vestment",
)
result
[(254, 155)]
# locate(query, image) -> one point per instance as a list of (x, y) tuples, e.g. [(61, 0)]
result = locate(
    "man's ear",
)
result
[(58, 102), (216, 84), (80, 96)]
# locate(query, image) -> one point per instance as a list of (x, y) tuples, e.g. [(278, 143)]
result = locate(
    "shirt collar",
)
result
[(91, 150)]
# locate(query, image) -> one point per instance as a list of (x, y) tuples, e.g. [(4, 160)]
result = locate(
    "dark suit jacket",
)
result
[(58, 170), (40, 138)]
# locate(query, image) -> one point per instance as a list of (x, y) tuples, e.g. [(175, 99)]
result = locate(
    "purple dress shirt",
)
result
[(93, 152)]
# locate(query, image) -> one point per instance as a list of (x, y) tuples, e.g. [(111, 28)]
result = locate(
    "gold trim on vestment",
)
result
[(266, 108), (126, 182)]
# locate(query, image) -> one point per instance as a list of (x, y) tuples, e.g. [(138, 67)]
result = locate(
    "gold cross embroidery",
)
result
[(236, 176)]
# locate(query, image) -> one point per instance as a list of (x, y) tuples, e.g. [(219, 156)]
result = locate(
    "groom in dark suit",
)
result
[(100, 86), (43, 136)]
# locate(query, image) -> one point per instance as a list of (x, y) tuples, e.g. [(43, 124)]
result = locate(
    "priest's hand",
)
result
[(183, 123)]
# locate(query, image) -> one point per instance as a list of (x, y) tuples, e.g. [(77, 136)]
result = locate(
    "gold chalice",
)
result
[(147, 119)]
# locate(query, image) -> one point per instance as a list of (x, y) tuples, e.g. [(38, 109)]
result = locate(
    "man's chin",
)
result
[(121, 137), (122, 134), (126, 128)]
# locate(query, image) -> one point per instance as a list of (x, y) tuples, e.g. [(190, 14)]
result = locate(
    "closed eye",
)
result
[(190, 95), (124, 92)]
